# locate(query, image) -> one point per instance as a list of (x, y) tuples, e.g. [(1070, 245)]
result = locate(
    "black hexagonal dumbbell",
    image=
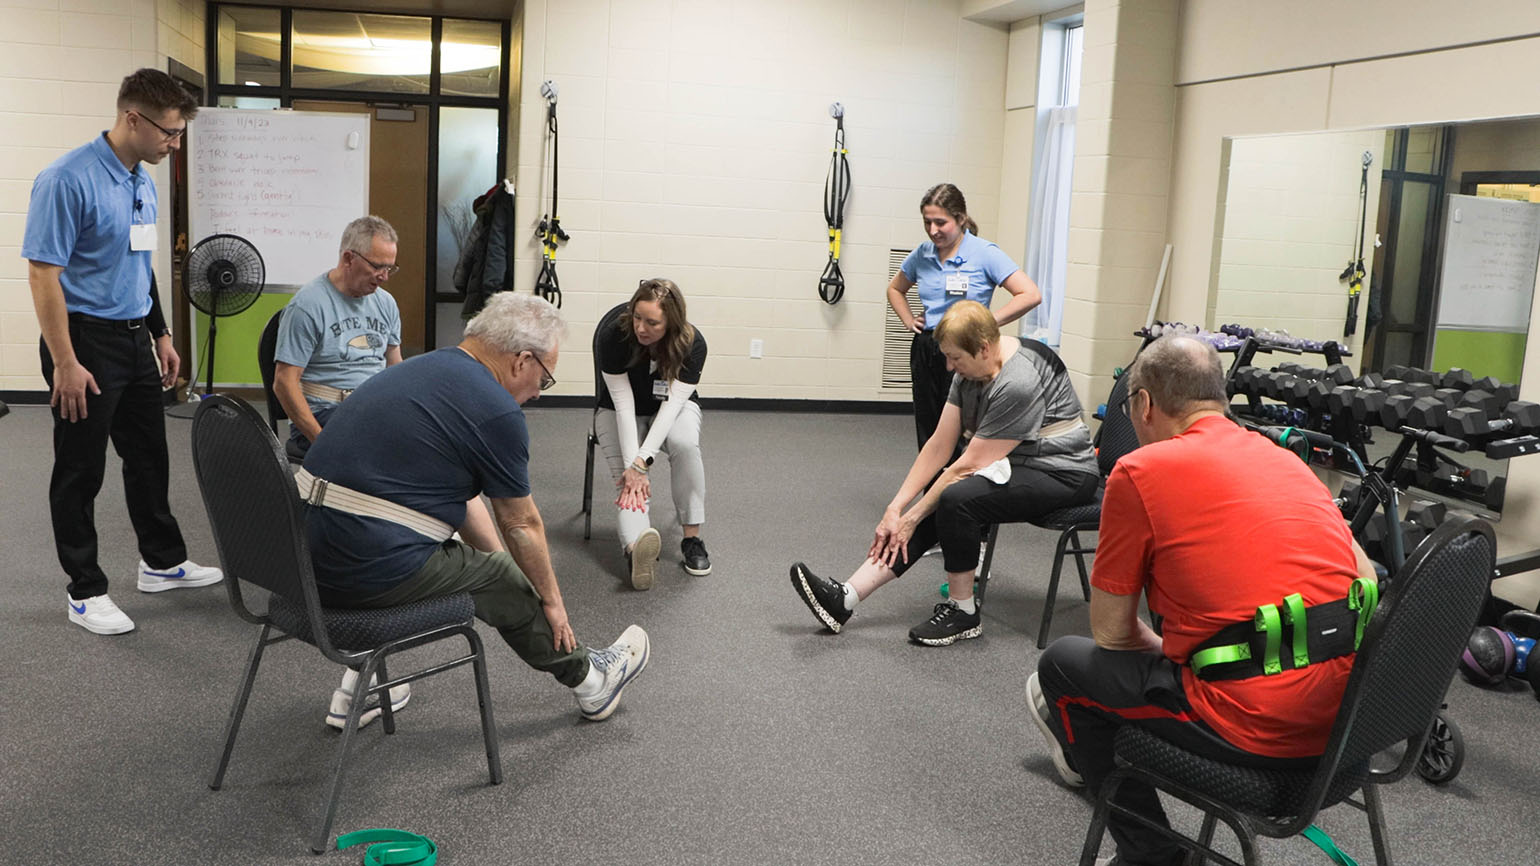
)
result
[(1241, 380), (1371, 380), (1457, 377), (1365, 405), (1318, 394), (1450, 396), (1417, 389), (1417, 374), (1338, 374), (1505, 392), (1519, 418), (1427, 413), (1339, 400), (1486, 401), (1394, 411), (1277, 384), (1426, 514)]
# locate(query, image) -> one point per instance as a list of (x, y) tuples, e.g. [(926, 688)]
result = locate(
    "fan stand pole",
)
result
[(213, 332)]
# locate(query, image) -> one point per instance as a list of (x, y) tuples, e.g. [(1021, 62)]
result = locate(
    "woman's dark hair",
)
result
[(950, 199), (678, 334)]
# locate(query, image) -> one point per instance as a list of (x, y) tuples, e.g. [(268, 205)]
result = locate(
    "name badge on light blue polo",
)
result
[(956, 284)]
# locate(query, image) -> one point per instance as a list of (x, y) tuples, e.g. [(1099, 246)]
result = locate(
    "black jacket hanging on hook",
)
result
[(486, 262)]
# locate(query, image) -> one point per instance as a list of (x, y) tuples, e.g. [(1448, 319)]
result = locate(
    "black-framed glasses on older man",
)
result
[(1127, 412), (546, 379)]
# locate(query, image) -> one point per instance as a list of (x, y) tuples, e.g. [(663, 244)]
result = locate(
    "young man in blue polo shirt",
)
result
[(106, 351)]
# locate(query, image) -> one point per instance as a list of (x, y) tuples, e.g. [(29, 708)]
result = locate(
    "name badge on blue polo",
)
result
[(956, 284), (141, 237)]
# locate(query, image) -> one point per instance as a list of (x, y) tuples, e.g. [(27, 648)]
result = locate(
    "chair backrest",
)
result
[(253, 507), (1412, 646), (1116, 436), (267, 346), (607, 323)]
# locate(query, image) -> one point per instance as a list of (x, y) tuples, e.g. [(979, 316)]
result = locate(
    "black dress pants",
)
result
[(129, 412), (929, 382)]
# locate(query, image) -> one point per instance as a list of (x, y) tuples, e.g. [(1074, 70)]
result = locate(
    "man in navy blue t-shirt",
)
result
[(426, 435)]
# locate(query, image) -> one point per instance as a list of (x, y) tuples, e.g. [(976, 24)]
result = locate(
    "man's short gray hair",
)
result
[(1180, 372), (359, 236), (512, 323)]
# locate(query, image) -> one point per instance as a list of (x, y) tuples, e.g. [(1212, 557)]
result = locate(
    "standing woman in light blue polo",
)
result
[(955, 264)]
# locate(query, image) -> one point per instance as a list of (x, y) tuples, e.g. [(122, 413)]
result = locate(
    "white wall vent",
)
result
[(895, 337)]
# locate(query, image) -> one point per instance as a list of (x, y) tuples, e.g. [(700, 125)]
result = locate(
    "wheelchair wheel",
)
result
[(1444, 754)]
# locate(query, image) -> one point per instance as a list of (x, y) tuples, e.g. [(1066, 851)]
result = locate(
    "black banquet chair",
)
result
[(1409, 653), (1114, 438), (607, 321), (267, 347), (258, 526)]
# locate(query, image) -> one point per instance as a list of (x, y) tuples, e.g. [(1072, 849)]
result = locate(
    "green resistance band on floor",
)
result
[(393, 847), (1318, 836)]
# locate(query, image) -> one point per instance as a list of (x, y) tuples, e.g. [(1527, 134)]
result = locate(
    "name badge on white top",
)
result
[(660, 389), (956, 284), (142, 237)]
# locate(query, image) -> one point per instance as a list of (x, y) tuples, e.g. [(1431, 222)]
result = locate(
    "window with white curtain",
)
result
[(1053, 167)]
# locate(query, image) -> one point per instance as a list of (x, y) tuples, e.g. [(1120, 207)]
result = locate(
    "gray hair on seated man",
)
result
[(512, 323), (360, 234), (1181, 374)]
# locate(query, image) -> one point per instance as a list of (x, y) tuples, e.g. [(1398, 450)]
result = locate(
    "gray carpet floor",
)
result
[(753, 737)]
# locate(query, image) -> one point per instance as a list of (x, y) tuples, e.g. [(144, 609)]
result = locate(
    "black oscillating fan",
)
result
[(225, 276)]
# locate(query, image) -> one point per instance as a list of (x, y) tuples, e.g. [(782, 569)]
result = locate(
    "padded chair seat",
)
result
[(1074, 515), (1278, 793), (366, 628)]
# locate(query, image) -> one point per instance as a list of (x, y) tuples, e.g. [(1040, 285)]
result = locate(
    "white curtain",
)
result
[(1048, 232)]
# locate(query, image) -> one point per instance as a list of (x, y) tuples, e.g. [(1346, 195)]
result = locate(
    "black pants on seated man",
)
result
[(1093, 692), (972, 504)]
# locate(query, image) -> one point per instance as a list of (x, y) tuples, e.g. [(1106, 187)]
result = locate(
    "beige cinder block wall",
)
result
[(695, 137), (58, 83), (1248, 67)]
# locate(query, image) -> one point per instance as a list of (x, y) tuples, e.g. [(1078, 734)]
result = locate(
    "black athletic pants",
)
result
[(1092, 692), (929, 382), (972, 504), (129, 412)]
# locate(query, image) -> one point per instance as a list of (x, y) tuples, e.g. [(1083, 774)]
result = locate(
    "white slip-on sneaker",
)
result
[(342, 701), (185, 575), (99, 615), (644, 559)]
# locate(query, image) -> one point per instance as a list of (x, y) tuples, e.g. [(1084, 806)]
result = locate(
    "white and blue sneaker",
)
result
[(99, 615), (619, 663), (184, 576), (342, 701)]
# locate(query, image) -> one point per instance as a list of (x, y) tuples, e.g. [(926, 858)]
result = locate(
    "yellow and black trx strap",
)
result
[(1287, 636), (549, 231), (1354, 273), (836, 189), (391, 847)]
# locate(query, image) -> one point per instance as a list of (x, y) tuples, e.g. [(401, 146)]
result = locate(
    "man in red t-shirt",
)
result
[(1209, 521)]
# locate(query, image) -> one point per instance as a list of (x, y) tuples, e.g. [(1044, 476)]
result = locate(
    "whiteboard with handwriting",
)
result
[(1491, 249), (288, 181)]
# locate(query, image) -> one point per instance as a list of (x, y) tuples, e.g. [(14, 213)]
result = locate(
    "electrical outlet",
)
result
[(756, 348)]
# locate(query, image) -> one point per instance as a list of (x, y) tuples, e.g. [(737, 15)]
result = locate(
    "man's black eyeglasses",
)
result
[(546, 379), (387, 270), (170, 134)]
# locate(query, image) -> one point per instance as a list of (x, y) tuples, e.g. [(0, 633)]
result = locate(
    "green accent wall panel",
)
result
[(1484, 353)]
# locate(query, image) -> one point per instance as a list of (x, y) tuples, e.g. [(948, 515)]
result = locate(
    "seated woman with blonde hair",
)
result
[(1024, 452)]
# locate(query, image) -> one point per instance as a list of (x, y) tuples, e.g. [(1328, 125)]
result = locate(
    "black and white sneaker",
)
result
[(947, 625), (693, 556), (824, 597)]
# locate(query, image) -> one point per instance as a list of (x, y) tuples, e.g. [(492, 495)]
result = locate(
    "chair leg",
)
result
[(1377, 825), (238, 711), (989, 558), (484, 702), (1205, 837), (349, 728), (387, 716), (588, 489), (1053, 587), (1098, 828), (1085, 577)]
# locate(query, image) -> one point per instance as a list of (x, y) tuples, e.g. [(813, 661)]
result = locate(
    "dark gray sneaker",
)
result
[(947, 625), (694, 558), (824, 597)]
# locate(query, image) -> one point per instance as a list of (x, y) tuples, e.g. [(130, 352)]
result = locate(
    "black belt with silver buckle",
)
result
[(118, 324)]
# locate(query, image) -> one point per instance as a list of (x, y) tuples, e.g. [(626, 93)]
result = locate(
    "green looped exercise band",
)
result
[(391, 847), (1267, 622), (1294, 617), (1324, 842)]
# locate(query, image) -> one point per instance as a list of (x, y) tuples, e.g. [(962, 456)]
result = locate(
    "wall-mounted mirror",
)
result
[(1447, 219)]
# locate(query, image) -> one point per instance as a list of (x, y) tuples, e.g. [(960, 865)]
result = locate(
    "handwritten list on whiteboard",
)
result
[(288, 181), (1491, 251)]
